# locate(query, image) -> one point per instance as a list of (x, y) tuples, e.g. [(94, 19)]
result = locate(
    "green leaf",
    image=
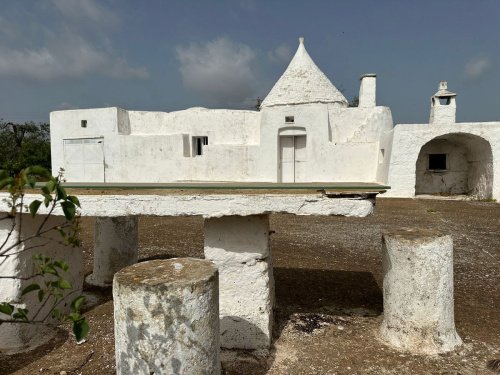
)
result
[(61, 192), (31, 181), (45, 191), (6, 182), (49, 269), (6, 308), (64, 284), (34, 206), (77, 303), (51, 185), (57, 314), (41, 258), (61, 264), (41, 294), (21, 314), (38, 170), (75, 316), (30, 288), (69, 209), (74, 199), (80, 329)]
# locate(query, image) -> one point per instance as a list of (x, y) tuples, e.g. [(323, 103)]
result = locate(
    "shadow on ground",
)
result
[(327, 292)]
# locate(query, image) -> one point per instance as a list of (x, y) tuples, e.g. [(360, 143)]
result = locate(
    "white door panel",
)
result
[(293, 158), (84, 160)]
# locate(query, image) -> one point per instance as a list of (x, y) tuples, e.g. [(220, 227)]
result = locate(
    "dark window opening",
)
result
[(198, 143), (83, 123), (444, 101), (289, 119), (437, 162)]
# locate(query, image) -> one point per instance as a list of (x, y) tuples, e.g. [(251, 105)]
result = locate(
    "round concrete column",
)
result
[(115, 247), (418, 291), (167, 317)]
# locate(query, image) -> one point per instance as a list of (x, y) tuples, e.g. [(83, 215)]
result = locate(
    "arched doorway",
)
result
[(455, 163)]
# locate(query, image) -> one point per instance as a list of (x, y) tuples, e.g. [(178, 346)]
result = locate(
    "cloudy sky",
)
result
[(169, 55)]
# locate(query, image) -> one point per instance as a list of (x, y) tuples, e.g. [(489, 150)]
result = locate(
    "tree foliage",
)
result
[(24, 145), (49, 282), (354, 102)]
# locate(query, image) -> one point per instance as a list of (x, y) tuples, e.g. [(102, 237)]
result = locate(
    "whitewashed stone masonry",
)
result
[(239, 246), (418, 291), (115, 247), (19, 264), (167, 318)]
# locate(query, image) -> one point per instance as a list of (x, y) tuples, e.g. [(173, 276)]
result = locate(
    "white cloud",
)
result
[(65, 56), (219, 71), (64, 49), (476, 68), (87, 10), (281, 54)]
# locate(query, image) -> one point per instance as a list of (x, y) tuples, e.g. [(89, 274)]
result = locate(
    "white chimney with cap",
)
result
[(368, 90)]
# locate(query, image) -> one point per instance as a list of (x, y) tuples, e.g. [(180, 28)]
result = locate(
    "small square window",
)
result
[(437, 162), (83, 123), (198, 143), (289, 119)]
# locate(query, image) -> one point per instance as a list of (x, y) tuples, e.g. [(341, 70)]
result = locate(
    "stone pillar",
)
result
[(19, 263), (167, 318), (418, 291), (239, 246), (115, 247)]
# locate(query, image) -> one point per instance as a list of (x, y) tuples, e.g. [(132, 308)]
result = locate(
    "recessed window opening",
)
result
[(289, 119), (198, 143), (444, 101), (83, 123), (437, 162)]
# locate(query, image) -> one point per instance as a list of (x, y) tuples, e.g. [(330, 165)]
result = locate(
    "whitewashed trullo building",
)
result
[(304, 132)]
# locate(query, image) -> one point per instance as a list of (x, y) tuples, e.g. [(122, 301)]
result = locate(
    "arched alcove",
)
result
[(455, 163)]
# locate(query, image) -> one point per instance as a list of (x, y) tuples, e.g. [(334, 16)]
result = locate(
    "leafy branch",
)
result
[(53, 286)]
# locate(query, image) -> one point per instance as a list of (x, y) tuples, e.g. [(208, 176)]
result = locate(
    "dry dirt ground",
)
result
[(328, 275)]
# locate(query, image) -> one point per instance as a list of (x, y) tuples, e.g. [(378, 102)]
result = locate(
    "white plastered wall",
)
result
[(157, 146), (408, 140), (342, 143)]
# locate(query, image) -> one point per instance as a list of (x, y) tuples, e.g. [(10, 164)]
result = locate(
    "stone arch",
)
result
[(455, 163)]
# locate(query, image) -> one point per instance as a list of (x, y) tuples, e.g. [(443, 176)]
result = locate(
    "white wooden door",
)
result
[(84, 160), (293, 158), (300, 158)]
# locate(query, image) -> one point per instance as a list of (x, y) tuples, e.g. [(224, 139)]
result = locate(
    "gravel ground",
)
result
[(328, 274)]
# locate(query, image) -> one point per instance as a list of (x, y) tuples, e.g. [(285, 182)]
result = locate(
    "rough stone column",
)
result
[(418, 291), (115, 247), (167, 318), (239, 246)]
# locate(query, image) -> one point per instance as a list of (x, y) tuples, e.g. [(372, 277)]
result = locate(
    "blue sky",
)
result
[(171, 55)]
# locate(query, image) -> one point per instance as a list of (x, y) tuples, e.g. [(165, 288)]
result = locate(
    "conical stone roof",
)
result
[(303, 82)]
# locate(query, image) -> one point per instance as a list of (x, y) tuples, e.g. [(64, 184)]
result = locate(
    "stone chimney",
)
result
[(367, 90), (443, 106)]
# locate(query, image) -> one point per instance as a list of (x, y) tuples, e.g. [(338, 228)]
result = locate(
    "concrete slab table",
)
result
[(236, 230)]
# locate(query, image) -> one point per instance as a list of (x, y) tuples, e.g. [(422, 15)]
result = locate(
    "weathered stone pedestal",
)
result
[(167, 318), (418, 291), (115, 247), (19, 264), (239, 246)]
